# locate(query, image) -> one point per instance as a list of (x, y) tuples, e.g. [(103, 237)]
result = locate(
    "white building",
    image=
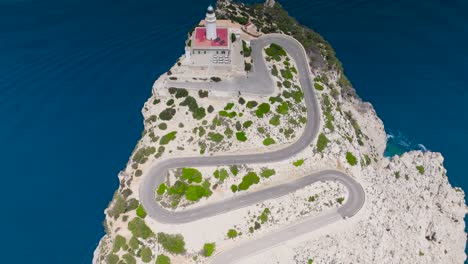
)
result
[(210, 45)]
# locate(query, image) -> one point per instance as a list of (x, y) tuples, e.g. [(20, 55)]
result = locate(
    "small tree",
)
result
[(233, 37)]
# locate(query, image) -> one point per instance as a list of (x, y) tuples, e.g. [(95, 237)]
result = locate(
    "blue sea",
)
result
[(74, 76)]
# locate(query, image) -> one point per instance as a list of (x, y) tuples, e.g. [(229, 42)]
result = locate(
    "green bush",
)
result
[(275, 51), (221, 174), (118, 206), (167, 114), (248, 180), (162, 126), (131, 205), (245, 49), (197, 112), (112, 259), (251, 104), (274, 71), (241, 136), (216, 137), (247, 124), (196, 192), (298, 163), (286, 74), (234, 170), (139, 229), (318, 87), (162, 189), (283, 108), (146, 254), (119, 243), (262, 109), (181, 93), (233, 37), (234, 188), (420, 169), (168, 138), (264, 216), (191, 175), (140, 211), (178, 188), (351, 159), (266, 173), (215, 79), (232, 233), (247, 66), (275, 120), (129, 258), (287, 84), (322, 142), (202, 93), (208, 249), (268, 141), (340, 200), (227, 114), (163, 259), (174, 244)]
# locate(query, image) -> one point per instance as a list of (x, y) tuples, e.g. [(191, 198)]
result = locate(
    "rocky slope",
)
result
[(412, 214)]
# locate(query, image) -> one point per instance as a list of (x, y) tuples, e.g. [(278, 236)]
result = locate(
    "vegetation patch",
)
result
[(262, 109), (163, 259), (248, 180), (174, 244), (167, 114), (139, 229), (322, 142), (268, 141), (140, 211), (221, 174), (275, 120), (216, 137), (351, 158), (298, 163), (318, 87), (241, 136), (420, 169), (283, 108), (266, 173), (191, 175), (275, 51), (167, 138), (208, 249), (232, 233)]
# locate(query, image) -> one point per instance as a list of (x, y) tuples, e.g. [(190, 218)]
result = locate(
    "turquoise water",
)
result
[(74, 76)]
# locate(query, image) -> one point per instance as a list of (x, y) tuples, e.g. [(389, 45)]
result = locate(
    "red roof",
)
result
[(201, 41)]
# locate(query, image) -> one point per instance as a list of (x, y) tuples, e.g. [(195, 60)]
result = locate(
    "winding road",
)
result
[(260, 78)]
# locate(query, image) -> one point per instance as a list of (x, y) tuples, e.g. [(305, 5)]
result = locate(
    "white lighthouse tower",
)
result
[(210, 24)]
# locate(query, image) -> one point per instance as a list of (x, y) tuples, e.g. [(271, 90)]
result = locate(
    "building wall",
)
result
[(210, 56)]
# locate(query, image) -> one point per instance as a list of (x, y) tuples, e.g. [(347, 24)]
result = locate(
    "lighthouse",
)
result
[(210, 24)]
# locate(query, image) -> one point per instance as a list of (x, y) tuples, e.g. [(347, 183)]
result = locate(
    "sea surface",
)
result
[(74, 76)]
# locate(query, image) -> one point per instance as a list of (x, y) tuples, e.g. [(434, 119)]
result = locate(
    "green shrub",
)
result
[(287, 84), (262, 109), (216, 137), (215, 79), (181, 93), (248, 180), (167, 114), (274, 71), (139, 229), (178, 188), (174, 244), (247, 66), (162, 189), (191, 175), (286, 74), (129, 258), (168, 138), (234, 188), (118, 206), (251, 104), (245, 49), (202, 93), (420, 169), (208, 249), (227, 114), (131, 205), (298, 163), (283, 108), (266, 173), (234, 170), (351, 158), (268, 141), (162, 126), (140, 211), (275, 120), (247, 124), (233, 37), (196, 192), (221, 174), (340, 200), (119, 243), (232, 233), (146, 254), (112, 259), (264, 216), (275, 51), (241, 136), (322, 142), (318, 87), (163, 259)]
